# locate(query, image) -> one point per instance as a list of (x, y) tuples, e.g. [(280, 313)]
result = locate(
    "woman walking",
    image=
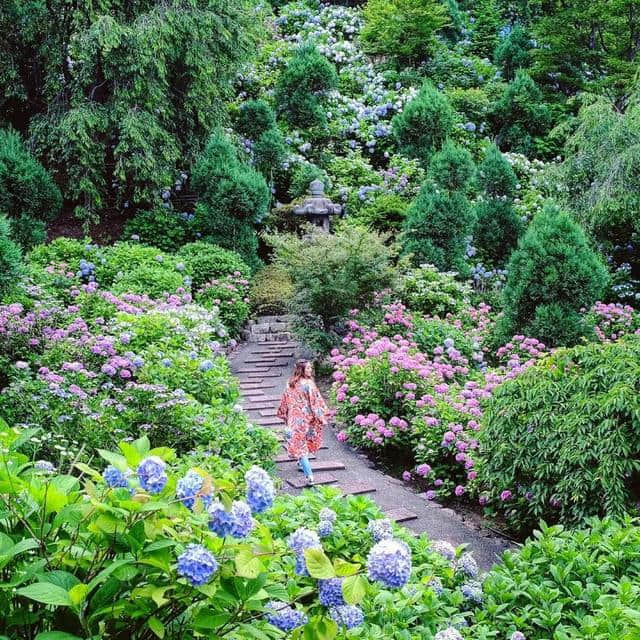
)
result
[(305, 413)]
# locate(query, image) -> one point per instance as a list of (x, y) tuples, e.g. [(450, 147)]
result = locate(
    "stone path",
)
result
[(263, 370)]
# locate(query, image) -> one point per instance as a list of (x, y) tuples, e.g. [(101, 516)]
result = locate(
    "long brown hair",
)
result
[(298, 372)]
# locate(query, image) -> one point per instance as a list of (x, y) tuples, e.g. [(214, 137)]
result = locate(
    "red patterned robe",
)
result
[(305, 414)]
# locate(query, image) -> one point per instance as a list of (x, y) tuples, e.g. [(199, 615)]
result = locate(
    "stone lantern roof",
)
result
[(317, 207)]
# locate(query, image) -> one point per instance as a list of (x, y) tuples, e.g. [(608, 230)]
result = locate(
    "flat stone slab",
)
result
[(401, 515), (267, 413), (270, 361), (355, 488), (327, 465), (273, 353), (285, 457), (300, 482), (254, 370), (260, 404), (259, 376), (265, 422)]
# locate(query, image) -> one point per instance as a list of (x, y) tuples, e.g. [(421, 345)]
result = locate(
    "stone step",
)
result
[(327, 465), (300, 482), (276, 353), (266, 413), (355, 488), (254, 370), (264, 361), (260, 405), (401, 515), (259, 376), (267, 422), (285, 457)]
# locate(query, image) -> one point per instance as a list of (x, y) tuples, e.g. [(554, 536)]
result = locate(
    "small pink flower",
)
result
[(341, 436), (406, 476), (459, 490)]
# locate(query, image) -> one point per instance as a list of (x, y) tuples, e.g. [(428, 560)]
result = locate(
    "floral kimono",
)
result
[(305, 414)]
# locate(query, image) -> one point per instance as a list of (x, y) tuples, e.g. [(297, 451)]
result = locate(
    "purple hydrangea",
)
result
[(445, 549), (197, 564), (151, 472), (260, 489), (325, 528), (518, 635), (330, 592), (242, 520), (448, 634), (188, 488), (115, 478), (327, 514), (389, 562), (380, 529), (436, 584), (348, 615), (285, 617)]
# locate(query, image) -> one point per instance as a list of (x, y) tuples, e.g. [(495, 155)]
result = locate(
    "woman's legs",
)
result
[(306, 467)]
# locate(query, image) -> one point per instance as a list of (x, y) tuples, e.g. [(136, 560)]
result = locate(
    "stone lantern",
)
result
[(318, 208)]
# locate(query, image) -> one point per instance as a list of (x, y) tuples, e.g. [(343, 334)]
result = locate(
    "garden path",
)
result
[(263, 369)]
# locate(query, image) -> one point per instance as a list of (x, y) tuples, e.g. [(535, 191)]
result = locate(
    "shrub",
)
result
[(432, 292), (153, 280), (333, 273), (598, 602), (303, 175), (424, 124), (161, 227), (431, 333), (521, 115), (271, 291), (561, 442), (385, 213), (302, 86), (485, 27), (10, 258), (404, 30), (27, 232), (269, 152), (204, 262), (512, 53), (123, 257), (441, 218), (232, 197), (229, 295), (552, 275), (498, 226), (27, 191), (255, 117)]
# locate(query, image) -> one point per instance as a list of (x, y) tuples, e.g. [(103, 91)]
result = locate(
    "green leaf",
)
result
[(118, 461), (78, 593), (156, 626), (354, 589), (344, 568), (318, 565), (46, 593), (321, 629), (247, 565), (56, 635), (87, 470)]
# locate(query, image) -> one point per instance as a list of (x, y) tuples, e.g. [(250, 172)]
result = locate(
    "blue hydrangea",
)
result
[(300, 540), (330, 592), (115, 478), (380, 529), (151, 473), (467, 565), (325, 528), (237, 522), (472, 591), (518, 635), (348, 615), (389, 562), (188, 488), (327, 514), (436, 584), (448, 634), (197, 564), (285, 617), (445, 549), (260, 489), (44, 466), (206, 365)]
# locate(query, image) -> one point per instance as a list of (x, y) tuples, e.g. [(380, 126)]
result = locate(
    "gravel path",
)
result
[(263, 370)]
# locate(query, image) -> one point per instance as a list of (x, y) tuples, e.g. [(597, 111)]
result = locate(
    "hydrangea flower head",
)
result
[(518, 635), (115, 478), (44, 466), (448, 634), (242, 520), (444, 548), (436, 584), (327, 514), (330, 592), (302, 539), (467, 565), (237, 522), (472, 591), (151, 472), (197, 564), (325, 528), (389, 562), (348, 615), (260, 489), (188, 488), (380, 529), (285, 617)]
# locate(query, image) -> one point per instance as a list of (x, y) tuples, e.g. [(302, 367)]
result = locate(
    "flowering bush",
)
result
[(229, 295)]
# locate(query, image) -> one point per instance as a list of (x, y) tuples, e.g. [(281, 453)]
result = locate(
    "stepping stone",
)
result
[(271, 411), (256, 370), (401, 515), (260, 361), (327, 465), (300, 482), (259, 405), (285, 457), (253, 376), (355, 488), (265, 422)]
